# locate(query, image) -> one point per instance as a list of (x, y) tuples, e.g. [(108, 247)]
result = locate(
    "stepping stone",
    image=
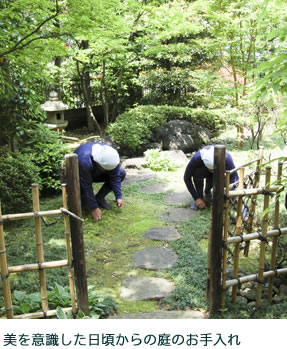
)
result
[(189, 314), (156, 188), (134, 176), (135, 163), (154, 258), (179, 197), (162, 233), (177, 155), (145, 288), (179, 214)]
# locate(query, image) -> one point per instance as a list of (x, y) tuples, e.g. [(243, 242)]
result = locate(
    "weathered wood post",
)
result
[(77, 236), (217, 228)]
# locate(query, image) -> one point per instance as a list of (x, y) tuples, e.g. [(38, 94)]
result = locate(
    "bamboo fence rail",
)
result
[(41, 264), (243, 201)]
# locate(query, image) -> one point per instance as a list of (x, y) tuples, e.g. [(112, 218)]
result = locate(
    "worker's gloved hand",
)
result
[(120, 203), (97, 214), (200, 203)]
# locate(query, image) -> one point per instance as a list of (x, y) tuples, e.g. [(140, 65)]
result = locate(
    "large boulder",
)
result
[(181, 135)]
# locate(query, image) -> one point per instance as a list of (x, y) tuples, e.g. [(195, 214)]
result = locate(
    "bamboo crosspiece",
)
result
[(41, 265), (263, 240), (276, 226), (243, 230), (39, 246)]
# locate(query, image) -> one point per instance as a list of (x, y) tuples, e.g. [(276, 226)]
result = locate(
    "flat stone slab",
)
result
[(189, 314), (156, 188), (145, 288), (136, 163), (162, 233), (177, 155), (134, 176), (179, 214), (154, 258), (179, 197)]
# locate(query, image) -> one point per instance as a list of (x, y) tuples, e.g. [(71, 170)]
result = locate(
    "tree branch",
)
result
[(17, 47)]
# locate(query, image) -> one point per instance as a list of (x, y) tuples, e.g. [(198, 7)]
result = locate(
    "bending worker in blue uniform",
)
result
[(99, 162), (200, 167)]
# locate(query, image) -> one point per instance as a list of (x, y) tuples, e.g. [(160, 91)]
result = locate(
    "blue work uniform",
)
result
[(196, 172), (90, 172)]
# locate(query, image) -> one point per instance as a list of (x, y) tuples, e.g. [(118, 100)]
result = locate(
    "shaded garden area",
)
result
[(214, 66)]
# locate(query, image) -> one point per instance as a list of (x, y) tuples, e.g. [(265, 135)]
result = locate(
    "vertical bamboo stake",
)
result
[(5, 273), (208, 260), (254, 199), (225, 235), (237, 232), (68, 249), (77, 235), (217, 228), (39, 246), (276, 226), (263, 243)]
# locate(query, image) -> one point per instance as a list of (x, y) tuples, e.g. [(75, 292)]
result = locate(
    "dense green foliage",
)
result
[(100, 305), (159, 161), (16, 177), (46, 151), (134, 128), (191, 265)]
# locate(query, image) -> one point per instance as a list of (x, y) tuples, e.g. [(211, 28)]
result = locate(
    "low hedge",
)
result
[(134, 128), (17, 175)]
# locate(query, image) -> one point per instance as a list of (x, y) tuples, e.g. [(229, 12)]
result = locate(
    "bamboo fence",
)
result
[(244, 199), (41, 264)]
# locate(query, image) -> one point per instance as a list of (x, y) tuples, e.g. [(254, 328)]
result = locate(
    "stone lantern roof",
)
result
[(54, 104)]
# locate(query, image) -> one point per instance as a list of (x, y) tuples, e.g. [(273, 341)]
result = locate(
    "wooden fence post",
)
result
[(217, 228), (77, 236)]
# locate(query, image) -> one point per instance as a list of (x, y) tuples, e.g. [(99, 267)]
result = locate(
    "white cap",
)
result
[(207, 156), (106, 156)]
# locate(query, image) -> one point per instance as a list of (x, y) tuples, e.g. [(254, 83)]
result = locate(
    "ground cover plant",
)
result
[(111, 242)]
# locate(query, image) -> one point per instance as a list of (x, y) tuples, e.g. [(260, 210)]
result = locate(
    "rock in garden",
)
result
[(162, 233), (181, 135), (154, 258), (145, 288), (179, 197), (135, 176), (179, 214), (137, 163)]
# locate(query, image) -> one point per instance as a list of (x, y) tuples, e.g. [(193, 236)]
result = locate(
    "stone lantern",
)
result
[(55, 110)]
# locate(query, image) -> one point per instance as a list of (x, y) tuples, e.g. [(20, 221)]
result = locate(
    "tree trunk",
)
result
[(91, 119)]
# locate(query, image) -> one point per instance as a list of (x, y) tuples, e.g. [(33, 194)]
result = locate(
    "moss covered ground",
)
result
[(111, 243)]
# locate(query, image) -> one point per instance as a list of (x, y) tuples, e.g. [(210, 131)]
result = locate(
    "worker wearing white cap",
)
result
[(99, 162), (200, 168)]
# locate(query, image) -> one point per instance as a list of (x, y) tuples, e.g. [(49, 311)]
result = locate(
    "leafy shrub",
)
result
[(49, 158), (17, 175), (134, 128), (158, 161), (47, 152), (185, 88), (100, 306)]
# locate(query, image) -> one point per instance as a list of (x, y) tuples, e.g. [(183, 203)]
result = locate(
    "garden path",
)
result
[(155, 258)]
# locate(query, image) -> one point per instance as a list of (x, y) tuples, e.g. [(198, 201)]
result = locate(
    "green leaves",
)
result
[(158, 161)]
